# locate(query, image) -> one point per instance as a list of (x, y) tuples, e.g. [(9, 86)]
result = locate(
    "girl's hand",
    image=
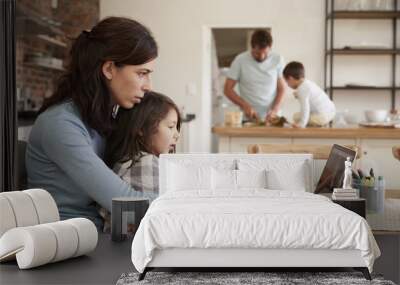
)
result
[(294, 125)]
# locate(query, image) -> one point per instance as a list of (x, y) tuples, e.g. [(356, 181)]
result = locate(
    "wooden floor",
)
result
[(389, 262), (389, 243)]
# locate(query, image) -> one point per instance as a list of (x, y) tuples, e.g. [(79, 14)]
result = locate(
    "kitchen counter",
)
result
[(353, 133), (375, 143)]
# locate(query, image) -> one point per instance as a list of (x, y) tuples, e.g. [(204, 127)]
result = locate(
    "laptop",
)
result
[(333, 172)]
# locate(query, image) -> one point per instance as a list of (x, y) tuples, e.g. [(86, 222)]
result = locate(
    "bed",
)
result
[(246, 211)]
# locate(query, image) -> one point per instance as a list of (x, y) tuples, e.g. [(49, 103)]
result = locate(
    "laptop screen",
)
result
[(333, 172)]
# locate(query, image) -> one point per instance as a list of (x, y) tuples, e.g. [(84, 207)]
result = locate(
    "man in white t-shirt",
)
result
[(316, 108), (258, 73)]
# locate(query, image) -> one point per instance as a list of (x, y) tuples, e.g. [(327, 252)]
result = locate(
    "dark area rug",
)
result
[(243, 278)]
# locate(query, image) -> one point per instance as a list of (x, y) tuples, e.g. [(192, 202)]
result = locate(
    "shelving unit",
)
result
[(353, 51), (362, 88), (51, 40), (331, 15), (43, 65), (29, 22), (45, 32), (361, 14)]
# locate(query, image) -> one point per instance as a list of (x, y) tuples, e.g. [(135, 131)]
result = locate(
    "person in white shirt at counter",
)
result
[(258, 73), (317, 109)]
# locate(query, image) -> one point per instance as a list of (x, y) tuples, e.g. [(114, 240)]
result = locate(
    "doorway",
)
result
[(221, 46)]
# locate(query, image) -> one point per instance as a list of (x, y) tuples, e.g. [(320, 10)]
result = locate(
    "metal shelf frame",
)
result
[(331, 15)]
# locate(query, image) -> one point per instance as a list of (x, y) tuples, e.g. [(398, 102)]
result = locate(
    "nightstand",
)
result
[(358, 206)]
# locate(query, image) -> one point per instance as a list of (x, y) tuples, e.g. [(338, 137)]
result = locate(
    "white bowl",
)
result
[(376, 116)]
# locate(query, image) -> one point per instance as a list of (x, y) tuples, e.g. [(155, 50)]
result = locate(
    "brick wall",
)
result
[(73, 16)]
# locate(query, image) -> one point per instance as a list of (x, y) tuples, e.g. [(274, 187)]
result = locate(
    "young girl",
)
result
[(141, 135)]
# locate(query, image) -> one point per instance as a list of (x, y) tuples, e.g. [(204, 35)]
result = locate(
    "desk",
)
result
[(102, 266)]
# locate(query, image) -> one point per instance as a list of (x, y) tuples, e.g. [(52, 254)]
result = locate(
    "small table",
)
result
[(358, 206)]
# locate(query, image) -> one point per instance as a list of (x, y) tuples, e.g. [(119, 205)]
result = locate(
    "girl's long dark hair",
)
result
[(135, 127), (121, 40)]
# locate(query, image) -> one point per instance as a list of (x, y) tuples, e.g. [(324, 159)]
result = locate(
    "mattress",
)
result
[(250, 219)]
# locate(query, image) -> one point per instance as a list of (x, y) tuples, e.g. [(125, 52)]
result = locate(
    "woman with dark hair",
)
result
[(141, 135), (109, 66)]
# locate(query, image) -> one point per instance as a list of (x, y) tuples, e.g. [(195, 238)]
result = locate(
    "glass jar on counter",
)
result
[(233, 116)]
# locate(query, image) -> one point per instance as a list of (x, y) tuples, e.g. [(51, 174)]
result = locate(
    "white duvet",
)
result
[(252, 218)]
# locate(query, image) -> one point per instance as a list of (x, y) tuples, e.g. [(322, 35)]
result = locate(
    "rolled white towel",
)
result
[(26, 208), (67, 240), (46, 207), (40, 244), (7, 218), (87, 234), (23, 208), (33, 246)]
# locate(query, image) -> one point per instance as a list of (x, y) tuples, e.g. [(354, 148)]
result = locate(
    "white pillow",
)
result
[(224, 179), (236, 179), (282, 173), (294, 180), (251, 178), (182, 177)]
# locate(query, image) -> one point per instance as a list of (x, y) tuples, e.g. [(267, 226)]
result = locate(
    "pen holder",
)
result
[(126, 214), (374, 196)]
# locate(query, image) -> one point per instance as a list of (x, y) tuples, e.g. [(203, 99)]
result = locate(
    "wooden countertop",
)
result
[(355, 132)]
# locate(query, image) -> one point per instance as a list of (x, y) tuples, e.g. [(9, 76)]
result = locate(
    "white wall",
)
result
[(298, 30)]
